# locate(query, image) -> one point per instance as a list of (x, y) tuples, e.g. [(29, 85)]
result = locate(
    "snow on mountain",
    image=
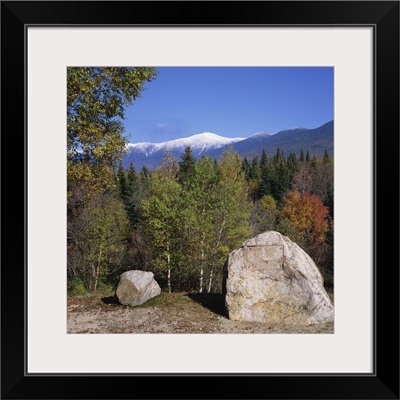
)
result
[(317, 140), (262, 134), (198, 143), (296, 128)]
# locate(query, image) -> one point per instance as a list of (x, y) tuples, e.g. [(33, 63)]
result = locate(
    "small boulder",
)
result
[(270, 279), (136, 287)]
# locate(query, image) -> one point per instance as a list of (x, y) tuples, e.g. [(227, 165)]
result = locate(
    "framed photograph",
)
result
[(348, 51)]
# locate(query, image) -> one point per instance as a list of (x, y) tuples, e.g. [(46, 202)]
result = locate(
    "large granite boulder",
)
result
[(271, 279), (136, 287)]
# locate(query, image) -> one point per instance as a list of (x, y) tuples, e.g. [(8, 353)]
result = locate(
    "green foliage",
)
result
[(268, 203), (194, 216), (246, 168), (271, 176), (144, 182), (160, 213), (264, 215), (122, 183), (183, 219), (313, 162), (186, 167), (292, 165), (255, 169), (326, 158), (265, 178), (233, 208), (76, 287), (96, 102), (199, 198), (286, 228), (98, 238), (133, 197), (129, 192), (280, 178)]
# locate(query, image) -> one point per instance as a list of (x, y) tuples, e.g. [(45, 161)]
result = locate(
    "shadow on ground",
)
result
[(213, 301), (110, 300)]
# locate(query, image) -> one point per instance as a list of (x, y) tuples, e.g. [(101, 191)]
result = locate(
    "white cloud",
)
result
[(162, 125)]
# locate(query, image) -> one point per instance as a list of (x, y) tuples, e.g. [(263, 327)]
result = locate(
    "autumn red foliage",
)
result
[(308, 215)]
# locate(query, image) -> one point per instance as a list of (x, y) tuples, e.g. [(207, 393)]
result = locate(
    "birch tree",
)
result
[(231, 210), (204, 198), (160, 215)]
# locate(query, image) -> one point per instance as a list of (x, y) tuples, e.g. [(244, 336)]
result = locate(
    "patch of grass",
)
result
[(164, 299), (106, 289), (77, 288)]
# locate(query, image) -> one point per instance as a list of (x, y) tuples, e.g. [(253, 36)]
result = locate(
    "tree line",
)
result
[(182, 220)]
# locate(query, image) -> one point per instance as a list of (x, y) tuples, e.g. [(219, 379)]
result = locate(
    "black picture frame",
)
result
[(383, 383)]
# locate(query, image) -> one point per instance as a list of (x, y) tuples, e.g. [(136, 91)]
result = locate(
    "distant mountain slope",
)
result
[(151, 154), (289, 140)]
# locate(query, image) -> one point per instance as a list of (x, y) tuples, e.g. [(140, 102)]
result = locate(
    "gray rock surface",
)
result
[(271, 279), (136, 287)]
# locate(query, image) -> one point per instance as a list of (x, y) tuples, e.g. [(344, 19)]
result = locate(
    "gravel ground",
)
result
[(167, 313)]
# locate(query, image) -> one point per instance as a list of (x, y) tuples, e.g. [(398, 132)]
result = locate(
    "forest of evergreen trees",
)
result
[(182, 220)]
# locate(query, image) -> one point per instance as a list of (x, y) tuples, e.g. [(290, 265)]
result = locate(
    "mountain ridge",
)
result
[(315, 140)]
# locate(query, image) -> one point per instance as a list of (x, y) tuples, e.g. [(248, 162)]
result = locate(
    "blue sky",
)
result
[(230, 101)]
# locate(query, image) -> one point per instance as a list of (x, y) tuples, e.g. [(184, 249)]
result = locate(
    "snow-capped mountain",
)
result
[(150, 154), (198, 143), (289, 140), (262, 134)]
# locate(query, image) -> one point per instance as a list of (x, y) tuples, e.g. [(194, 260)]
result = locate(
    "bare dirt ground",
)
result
[(167, 313)]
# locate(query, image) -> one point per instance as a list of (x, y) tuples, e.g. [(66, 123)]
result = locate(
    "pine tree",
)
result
[(122, 183), (301, 156), (313, 162), (215, 166), (265, 184), (326, 158), (280, 179), (246, 168), (144, 181), (132, 179), (254, 179), (186, 166), (255, 169), (133, 198), (307, 156), (292, 165)]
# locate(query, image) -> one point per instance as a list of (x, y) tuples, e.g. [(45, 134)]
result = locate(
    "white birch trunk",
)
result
[(97, 273), (168, 269), (211, 278), (202, 267), (202, 258)]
